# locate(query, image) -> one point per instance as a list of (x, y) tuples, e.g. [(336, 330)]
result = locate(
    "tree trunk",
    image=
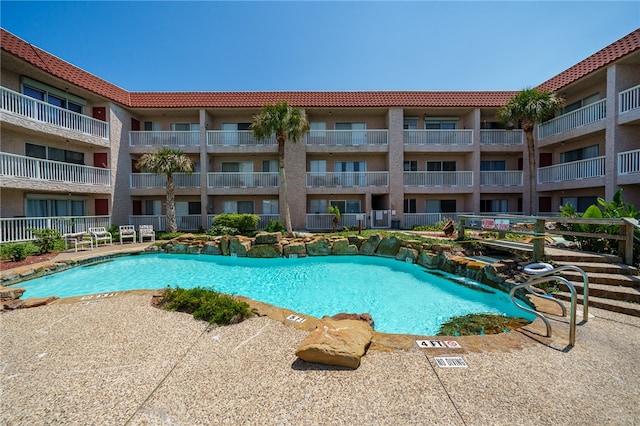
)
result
[(283, 185), (533, 192), (171, 205)]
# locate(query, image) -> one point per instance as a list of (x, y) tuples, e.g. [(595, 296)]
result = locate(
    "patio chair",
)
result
[(100, 234), (77, 239), (127, 231), (146, 231)]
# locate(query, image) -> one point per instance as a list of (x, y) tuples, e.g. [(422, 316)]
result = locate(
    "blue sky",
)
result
[(357, 45)]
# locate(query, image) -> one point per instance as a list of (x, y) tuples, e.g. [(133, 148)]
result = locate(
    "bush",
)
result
[(206, 305), (15, 252), (274, 226), (243, 223), (47, 240)]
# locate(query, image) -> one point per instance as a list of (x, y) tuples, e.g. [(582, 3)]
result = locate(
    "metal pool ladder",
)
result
[(550, 276)]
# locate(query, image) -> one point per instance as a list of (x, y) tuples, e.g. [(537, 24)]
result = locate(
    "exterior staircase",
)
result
[(613, 286)]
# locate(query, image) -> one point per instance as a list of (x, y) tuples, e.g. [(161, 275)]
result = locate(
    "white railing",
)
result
[(346, 179), (236, 137), (629, 162), (574, 170), (185, 222), (580, 117), (164, 138), (464, 178), (438, 137), (242, 180), (19, 229), (324, 221), (25, 106), (34, 168), (152, 180), (501, 178), (262, 223), (501, 137), (348, 137), (629, 99), (411, 220)]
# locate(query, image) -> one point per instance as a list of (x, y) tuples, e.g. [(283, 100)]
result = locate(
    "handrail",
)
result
[(585, 288)]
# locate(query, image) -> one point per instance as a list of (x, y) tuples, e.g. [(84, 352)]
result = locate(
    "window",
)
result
[(410, 166), (318, 128), (441, 206), (580, 103), (493, 206), (440, 123), (441, 166), (410, 205), (244, 167), (270, 207), (153, 207), (492, 165), (351, 133), (347, 206), (150, 126), (318, 206), (318, 166), (54, 154), (579, 203), (269, 166), (43, 205), (580, 154), (242, 207), (51, 95), (184, 127), (410, 123)]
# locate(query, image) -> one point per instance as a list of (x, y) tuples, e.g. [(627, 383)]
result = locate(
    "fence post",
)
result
[(461, 225), (626, 246), (538, 241)]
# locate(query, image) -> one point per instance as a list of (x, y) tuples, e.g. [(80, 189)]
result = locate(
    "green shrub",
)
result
[(15, 252), (274, 226), (47, 240), (243, 223), (206, 305)]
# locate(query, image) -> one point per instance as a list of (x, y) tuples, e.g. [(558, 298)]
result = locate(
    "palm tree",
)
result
[(287, 124), (167, 161), (529, 107)]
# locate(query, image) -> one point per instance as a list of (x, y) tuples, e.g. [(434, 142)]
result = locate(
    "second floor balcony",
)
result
[(347, 179), (347, 137), (629, 162), (152, 180), (501, 137), (574, 170), (19, 166), (237, 138), (581, 117), (450, 179), (164, 138), (242, 180), (629, 99), (38, 111), (501, 178), (438, 137)]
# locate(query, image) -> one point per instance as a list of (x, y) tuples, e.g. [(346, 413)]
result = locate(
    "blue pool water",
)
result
[(401, 297)]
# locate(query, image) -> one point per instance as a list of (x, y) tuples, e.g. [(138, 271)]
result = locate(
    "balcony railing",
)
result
[(501, 137), (578, 118), (236, 137), (185, 222), (438, 137), (348, 137), (20, 229), (410, 220), (574, 170), (629, 99), (347, 179), (262, 223), (324, 221), (629, 162), (242, 180), (501, 178), (56, 171), (164, 138), (33, 109), (151, 180), (464, 178)]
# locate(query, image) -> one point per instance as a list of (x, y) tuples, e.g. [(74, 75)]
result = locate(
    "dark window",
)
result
[(410, 205), (493, 165), (411, 166), (448, 206), (194, 207)]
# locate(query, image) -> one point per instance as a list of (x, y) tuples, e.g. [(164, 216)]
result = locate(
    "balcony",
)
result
[(629, 99), (185, 222), (242, 180), (19, 166), (450, 179), (629, 162), (236, 138), (164, 138), (502, 137), (42, 112), (438, 137), (21, 229), (501, 178), (347, 179), (573, 120), (152, 180), (347, 137), (574, 170)]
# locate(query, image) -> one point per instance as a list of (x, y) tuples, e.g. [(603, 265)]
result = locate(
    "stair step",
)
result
[(609, 268), (627, 308), (603, 278), (570, 256), (626, 294)]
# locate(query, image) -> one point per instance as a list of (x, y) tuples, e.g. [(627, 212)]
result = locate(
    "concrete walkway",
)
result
[(118, 361)]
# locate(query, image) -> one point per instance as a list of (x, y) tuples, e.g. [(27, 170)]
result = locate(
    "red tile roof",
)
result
[(74, 75), (600, 59)]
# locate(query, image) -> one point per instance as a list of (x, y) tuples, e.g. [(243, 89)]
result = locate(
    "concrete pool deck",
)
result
[(118, 360)]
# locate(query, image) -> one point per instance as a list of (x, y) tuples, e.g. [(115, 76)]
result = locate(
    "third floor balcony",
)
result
[(237, 138), (347, 179), (152, 180), (438, 137), (629, 162), (437, 178), (592, 113), (501, 137), (173, 138), (501, 178), (242, 180), (347, 137)]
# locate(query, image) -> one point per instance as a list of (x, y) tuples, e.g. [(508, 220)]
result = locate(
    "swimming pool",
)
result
[(401, 297)]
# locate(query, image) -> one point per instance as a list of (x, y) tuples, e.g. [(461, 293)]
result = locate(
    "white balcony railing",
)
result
[(324, 221), (348, 137), (242, 180), (629, 99), (236, 137), (501, 137), (574, 170), (410, 220), (152, 180), (464, 178), (20, 229), (501, 178), (347, 179), (629, 162), (578, 118), (33, 109), (262, 223), (20, 166), (438, 137), (185, 222), (164, 138)]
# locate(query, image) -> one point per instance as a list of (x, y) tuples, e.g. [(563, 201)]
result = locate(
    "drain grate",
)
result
[(450, 362)]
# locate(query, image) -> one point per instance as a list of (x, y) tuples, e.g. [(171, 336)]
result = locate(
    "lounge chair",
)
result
[(100, 234), (127, 231), (77, 239), (147, 231)]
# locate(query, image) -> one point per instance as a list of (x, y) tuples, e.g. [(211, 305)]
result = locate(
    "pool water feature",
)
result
[(401, 297)]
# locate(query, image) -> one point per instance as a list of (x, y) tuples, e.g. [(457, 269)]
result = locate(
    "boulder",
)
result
[(224, 246), (360, 317), (212, 247), (428, 259), (298, 248), (10, 293), (268, 238), (389, 246), (370, 246), (265, 251), (239, 245), (341, 246), (38, 301), (319, 247), (407, 253), (337, 342)]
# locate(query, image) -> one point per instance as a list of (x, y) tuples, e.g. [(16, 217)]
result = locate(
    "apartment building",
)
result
[(70, 142)]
